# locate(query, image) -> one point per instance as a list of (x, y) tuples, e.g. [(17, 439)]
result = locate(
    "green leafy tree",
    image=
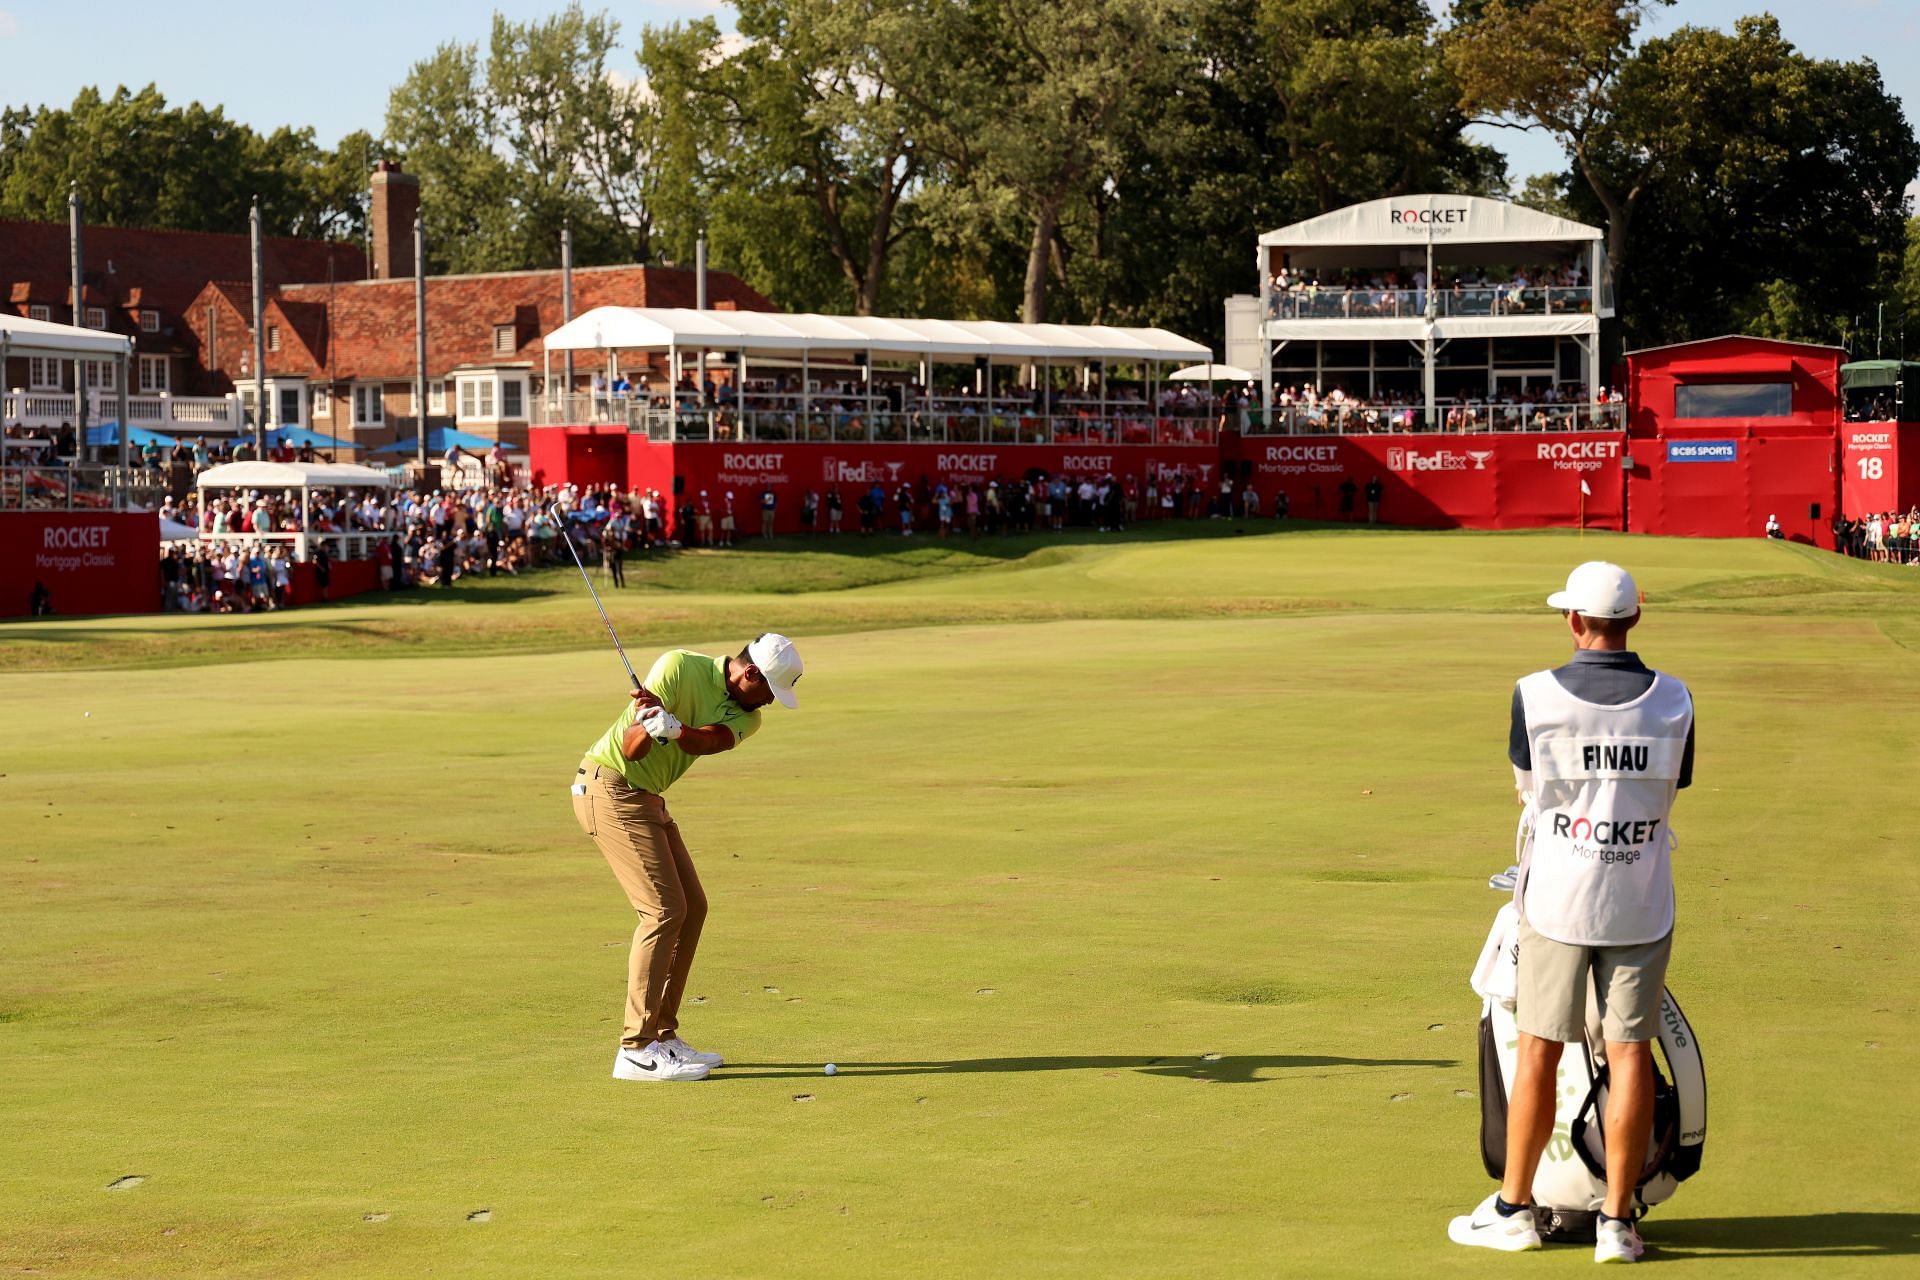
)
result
[(1780, 207), (511, 147)]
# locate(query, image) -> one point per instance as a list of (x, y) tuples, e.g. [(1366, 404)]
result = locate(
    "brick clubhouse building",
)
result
[(339, 328)]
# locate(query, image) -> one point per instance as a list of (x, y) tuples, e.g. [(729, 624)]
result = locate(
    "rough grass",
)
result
[(1137, 920)]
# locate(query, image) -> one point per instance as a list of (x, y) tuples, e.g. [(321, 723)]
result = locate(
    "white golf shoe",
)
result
[(1617, 1241), (656, 1062), (1487, 1228), (687, 1053)]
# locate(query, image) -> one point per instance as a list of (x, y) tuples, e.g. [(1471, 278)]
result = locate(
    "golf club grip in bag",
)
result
[(1570, 1185)]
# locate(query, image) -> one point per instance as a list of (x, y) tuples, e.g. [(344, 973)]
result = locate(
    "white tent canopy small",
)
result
[(1212, 373), (294, 475), (778, 333)]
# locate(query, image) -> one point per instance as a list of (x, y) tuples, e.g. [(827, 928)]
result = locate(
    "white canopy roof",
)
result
[(1460, 228), (658, 328), (23, 337), (293, 475)]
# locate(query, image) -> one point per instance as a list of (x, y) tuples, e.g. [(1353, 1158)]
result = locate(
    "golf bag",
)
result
[(1570, 1186)]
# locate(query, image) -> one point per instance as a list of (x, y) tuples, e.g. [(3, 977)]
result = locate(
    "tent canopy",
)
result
[(1463, 230), (1211, 373), (293, 475), (23, 337), (661, 328), (295, 437), (439, 439), (1860, 374), (109, 433)]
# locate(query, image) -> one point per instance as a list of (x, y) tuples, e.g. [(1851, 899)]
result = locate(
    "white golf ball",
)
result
[(832, 1070), (86, 715)]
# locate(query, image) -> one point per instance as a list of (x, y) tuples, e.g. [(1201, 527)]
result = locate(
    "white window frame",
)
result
[(436, 397), (96, 317), (519, 388), (478, 398), (149, 321), (40, 311), (153, 375), (100, 375), (43, 373), (322, 402), (369, 404)]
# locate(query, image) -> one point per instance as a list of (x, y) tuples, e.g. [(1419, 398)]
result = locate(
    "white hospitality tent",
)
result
[(20, 336), (303, 476), (1420, 232), (783, 339)]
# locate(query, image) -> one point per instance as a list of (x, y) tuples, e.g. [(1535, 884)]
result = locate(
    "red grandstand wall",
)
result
[(91, 562), (585, 455), (791, 469), (1519, 481), (1725, 486), (1879, 467), (1654, 377)]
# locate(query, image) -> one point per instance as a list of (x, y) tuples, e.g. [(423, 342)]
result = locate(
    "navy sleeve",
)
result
[(1520, 750), (1686, 760)]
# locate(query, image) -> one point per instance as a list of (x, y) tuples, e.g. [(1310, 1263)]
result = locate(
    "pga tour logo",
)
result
[(839, 472)]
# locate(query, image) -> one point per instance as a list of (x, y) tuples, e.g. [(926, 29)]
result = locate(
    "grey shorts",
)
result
[(1552, 995)]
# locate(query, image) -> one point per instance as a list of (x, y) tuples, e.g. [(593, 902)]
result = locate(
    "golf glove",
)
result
[(660, 724)]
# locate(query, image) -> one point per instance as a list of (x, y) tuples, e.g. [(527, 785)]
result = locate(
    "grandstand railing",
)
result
[(1010, 422), (79, 487), (1345, 302), (1352, 418)]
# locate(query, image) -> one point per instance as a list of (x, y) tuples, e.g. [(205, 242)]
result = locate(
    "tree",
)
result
[(512, 147), (1780, 206), (1555, 65), (136, 161)]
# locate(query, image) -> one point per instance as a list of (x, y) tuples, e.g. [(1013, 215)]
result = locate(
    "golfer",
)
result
[(691, 706), (1599, 747)]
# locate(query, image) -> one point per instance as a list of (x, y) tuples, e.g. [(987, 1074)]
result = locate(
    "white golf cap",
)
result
[(780, 663), (1598, 589)]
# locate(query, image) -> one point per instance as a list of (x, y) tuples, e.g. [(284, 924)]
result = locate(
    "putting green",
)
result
[(1132, 886)]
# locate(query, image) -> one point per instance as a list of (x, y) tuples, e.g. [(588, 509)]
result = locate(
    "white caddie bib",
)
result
[(1599, 873)]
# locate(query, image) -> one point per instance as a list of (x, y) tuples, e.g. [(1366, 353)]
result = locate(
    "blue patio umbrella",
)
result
[(438, 439), (295, 437), (108, 433)]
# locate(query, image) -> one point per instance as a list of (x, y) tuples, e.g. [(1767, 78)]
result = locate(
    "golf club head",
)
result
[(1504, 880)]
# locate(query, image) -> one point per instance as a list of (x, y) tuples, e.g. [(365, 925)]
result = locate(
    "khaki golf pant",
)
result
[(642, 844)]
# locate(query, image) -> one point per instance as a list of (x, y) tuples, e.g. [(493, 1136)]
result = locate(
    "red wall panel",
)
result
[(91, 562)]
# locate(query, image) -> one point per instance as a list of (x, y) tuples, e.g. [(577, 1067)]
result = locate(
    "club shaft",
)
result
[(580, 564)]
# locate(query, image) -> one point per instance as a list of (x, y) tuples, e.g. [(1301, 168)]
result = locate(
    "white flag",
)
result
[(1585, 490)]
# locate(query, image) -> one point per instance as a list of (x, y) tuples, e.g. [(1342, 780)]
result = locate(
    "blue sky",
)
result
[(330, 65)]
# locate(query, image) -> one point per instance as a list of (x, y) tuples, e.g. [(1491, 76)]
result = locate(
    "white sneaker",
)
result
[(687, 1053), (656, 1062), (1488, 1228), (1617, 1241)]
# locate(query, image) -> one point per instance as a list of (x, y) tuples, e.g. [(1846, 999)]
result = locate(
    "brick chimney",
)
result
[(396, 201)]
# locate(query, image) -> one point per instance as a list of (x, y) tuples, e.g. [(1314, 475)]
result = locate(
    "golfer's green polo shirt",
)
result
[(694, 688)]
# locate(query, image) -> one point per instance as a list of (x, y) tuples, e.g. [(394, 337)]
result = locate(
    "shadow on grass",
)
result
[(1809, 1235), (1225, 1070)]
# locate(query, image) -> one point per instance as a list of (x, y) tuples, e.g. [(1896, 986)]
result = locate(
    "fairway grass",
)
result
[(1132, 886)]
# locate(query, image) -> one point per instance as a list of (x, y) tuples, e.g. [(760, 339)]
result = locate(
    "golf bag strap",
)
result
[(1665, 1136)]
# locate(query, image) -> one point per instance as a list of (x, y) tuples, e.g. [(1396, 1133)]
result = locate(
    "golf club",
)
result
[(560, 522)]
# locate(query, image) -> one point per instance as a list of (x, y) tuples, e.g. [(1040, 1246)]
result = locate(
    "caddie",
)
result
[(1599, 748), (690, 706)]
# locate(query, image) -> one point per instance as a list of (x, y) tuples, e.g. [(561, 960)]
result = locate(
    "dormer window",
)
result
[(96, 317), (149, 322)]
